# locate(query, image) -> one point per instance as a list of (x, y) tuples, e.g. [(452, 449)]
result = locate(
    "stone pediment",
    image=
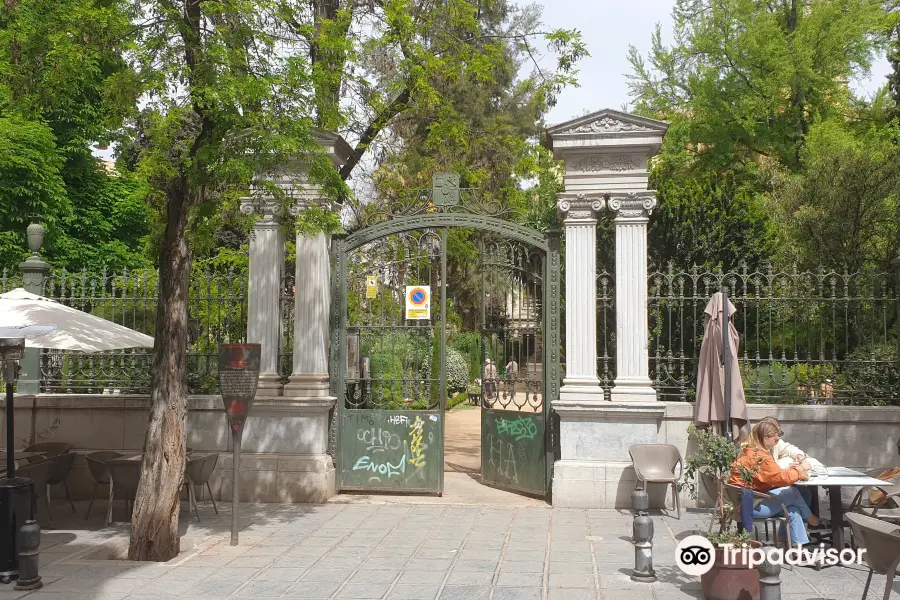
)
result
[(608, 121)]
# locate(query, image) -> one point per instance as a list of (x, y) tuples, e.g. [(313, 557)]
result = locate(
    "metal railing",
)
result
[(217, 313), (805, 337)]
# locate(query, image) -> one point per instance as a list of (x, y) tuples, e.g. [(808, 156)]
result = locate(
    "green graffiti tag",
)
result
[(521, 428)]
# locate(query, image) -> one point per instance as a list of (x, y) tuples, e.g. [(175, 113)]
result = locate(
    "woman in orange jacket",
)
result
[(766, 476)]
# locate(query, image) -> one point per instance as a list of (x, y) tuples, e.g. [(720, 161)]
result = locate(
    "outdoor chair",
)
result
[(197, 473), (886, 510), (733, 494), (96, 462), (124, 475), (882, 543), (62, 466), (39, 473), (48, 449), (655, 463)]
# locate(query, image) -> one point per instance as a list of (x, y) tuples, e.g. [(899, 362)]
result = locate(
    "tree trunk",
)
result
[(154, 525)]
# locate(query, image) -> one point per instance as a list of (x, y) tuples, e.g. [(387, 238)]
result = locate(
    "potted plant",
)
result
[(710, 467)]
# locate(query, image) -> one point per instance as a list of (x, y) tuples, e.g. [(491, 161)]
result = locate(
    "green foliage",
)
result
[(871, 374), (745, 79), (30, 183), (842, 211), (457, 371), (468, 343), (456, 400), (710, 220)]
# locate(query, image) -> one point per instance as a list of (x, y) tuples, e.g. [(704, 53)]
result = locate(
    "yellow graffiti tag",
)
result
[(418, 456)]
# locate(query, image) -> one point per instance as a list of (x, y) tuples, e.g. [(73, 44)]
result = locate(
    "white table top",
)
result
[(842, 477)]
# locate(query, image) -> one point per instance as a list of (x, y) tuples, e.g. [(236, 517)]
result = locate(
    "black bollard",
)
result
[(642, 536), (769, 580), (29, 554)]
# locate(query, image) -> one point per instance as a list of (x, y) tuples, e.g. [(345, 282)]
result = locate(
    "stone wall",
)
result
[(857, 437), (303, 473)]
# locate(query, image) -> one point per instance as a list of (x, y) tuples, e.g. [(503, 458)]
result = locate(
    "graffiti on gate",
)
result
[(513, 450), (502, 458), (520, 429), (416, 448), (390, 451)]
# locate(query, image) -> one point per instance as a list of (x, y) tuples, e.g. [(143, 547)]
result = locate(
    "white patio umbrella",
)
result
[(75, 329)]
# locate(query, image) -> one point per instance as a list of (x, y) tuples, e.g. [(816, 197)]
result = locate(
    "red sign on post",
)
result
[(238, 378)]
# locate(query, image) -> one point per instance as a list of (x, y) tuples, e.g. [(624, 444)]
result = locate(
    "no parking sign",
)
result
[(418, 302)]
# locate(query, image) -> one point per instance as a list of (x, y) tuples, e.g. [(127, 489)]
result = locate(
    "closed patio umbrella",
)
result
[(712, 407), (75, 329)]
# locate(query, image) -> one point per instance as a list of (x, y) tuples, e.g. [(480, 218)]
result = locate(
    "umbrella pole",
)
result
[(726, 355)]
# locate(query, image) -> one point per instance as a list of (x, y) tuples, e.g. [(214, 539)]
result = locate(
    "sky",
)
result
[(608, 29)]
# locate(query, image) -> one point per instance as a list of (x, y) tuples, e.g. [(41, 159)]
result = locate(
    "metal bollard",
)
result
[(29, 553), (642, 536), (769, 580)]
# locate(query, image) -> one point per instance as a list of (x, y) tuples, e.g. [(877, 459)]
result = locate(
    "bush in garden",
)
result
[(457, 371)]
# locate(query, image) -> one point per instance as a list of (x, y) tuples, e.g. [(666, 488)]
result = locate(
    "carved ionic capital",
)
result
[(579, 207), (266, 207), (633, 205)]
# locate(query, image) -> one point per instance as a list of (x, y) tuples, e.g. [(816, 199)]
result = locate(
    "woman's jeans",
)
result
[(797, 501)]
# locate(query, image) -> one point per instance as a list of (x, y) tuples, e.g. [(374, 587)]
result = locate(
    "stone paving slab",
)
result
[(400, 551)]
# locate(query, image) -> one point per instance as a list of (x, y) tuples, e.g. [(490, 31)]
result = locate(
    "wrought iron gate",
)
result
[(514, 417), (389, 373)]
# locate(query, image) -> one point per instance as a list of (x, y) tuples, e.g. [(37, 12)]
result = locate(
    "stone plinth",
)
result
[(606, 154), (594, 470)]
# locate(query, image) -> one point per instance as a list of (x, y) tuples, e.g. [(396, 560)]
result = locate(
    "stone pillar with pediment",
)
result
[(606, 154), (286, 437)]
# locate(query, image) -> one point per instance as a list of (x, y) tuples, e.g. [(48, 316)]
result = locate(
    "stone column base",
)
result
[(307, 385), (639, 390), (577, 388), (268, 385)]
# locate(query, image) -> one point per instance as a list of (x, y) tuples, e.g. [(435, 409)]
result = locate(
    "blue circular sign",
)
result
[(418, 296)]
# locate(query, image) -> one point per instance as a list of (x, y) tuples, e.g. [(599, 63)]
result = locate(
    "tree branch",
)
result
[(399, 104)]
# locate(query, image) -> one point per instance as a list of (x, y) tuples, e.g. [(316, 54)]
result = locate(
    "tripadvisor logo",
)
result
[(695, 555)]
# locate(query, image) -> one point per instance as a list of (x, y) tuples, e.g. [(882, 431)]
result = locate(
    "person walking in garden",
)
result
[(769, 478), (490, 379), (512, 373)]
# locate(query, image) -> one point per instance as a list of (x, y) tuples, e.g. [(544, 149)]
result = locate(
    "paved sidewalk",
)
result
[(389, 550)]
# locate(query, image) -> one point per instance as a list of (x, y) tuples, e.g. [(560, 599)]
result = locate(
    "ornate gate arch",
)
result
[(390, 373)]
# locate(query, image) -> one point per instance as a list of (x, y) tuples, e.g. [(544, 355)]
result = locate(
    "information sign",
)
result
[(371, 287), (418, 302)]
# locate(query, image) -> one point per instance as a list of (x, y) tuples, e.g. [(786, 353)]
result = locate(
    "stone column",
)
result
[(579, 212), (606, 155), (264, 291), (632, 211), (312, 301)]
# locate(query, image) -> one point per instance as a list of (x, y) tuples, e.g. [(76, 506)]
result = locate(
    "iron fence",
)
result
[(217, 313), (806, 337)]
